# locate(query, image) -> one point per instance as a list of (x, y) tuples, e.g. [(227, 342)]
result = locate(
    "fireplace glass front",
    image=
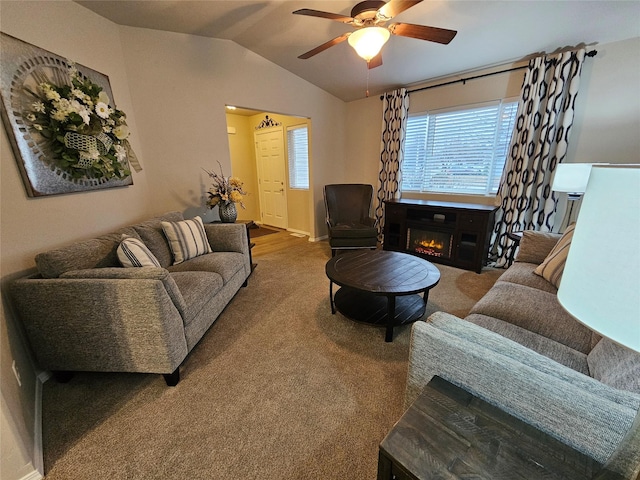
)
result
[(428, 242)]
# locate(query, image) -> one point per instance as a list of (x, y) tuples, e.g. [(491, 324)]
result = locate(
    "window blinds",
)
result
[(460, 151), (298, 151)]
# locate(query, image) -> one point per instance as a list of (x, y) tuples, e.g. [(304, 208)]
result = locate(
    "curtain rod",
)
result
[(592, 53), (465, 80)]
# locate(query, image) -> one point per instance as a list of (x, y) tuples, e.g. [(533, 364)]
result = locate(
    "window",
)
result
[(298, 150), (458, 151)]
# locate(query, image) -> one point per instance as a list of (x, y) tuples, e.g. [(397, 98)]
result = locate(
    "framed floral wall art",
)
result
[(65, 131)]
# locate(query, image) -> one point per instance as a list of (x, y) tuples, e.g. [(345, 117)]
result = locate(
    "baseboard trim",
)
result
[(35, 475), (293, 230), (38, 453), (318, 239)]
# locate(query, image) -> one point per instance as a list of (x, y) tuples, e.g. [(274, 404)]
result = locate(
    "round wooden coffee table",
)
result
[(381, 287)]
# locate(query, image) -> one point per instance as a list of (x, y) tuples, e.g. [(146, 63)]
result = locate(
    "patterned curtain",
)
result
[(395, 111), (539, 142)]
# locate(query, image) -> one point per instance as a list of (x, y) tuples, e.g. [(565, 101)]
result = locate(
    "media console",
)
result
[(450, 233)]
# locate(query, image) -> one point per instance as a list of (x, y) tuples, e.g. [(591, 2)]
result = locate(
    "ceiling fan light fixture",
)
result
[(368, 41)]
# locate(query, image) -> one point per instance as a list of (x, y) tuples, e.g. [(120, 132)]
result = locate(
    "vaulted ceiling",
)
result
[(489, 33)]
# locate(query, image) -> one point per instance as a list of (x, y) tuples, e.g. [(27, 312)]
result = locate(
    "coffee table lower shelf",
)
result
[(373, 309)]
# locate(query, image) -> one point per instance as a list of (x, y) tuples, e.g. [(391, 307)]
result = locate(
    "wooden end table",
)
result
[(447, 433), (381, 287), (516, 238)]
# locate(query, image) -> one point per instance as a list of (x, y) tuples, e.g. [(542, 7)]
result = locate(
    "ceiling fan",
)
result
[(370, 17)]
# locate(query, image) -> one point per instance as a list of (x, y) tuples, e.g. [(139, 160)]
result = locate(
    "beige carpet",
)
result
[(277, 389)]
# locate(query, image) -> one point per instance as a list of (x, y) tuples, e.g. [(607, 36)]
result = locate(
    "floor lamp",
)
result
[(571, 178), (601, 288)]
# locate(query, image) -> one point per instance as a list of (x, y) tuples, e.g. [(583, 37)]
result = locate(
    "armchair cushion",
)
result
[(353, 230)]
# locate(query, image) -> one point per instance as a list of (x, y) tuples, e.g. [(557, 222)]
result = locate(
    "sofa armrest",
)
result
[(142, 273), (230, 237), (227, 237), (572, 407), (535, 246), (101, 324), (122, 273)]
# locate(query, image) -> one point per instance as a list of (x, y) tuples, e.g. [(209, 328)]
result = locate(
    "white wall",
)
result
[(30, 225), (606, 127), (607, 124), (173, 88), (182, 120)]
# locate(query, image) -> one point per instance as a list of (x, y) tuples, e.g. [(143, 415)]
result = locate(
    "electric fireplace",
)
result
[(429, 242)]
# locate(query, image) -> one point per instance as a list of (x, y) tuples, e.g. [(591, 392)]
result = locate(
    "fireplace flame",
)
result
[(431, 244), (425, 242), (430, 247)]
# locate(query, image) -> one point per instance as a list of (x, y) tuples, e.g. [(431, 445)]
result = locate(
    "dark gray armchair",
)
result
[(348, 208)]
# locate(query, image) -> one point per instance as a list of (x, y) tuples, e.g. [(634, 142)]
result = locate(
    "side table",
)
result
[(447, 433), (516, 237)]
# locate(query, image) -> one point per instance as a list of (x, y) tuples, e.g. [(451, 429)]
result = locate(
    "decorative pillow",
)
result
[(150, 232), (535, 246), (187, 239), (134, 253), (553, 266)]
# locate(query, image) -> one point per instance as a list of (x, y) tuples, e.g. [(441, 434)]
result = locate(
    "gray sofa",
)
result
[(521, 351), (83, 311)]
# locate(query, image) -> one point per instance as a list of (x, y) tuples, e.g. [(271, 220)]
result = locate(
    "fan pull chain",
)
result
[(367, 94)]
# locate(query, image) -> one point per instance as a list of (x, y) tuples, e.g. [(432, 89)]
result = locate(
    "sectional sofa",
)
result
[(521, 351)]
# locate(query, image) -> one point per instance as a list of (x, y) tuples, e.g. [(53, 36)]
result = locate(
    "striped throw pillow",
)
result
[(134, 253), (187, 239), (552, 267)]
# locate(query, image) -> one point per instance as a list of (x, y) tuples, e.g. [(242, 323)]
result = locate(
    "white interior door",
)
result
[(271, 177)]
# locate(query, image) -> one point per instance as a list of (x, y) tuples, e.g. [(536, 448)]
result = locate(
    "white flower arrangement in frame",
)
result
[(65, 131)]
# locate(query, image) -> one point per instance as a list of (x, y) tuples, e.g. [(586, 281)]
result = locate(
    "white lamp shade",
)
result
[(368, 41), (571, 177), (600, 284)]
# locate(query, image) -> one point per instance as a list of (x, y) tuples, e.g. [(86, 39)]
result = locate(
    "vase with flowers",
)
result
[(225, 193)]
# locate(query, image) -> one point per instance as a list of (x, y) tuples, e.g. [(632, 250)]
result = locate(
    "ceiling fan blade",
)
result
[(422, 32), (324, 46), (395, 7), (375, 61), (328, 15)]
